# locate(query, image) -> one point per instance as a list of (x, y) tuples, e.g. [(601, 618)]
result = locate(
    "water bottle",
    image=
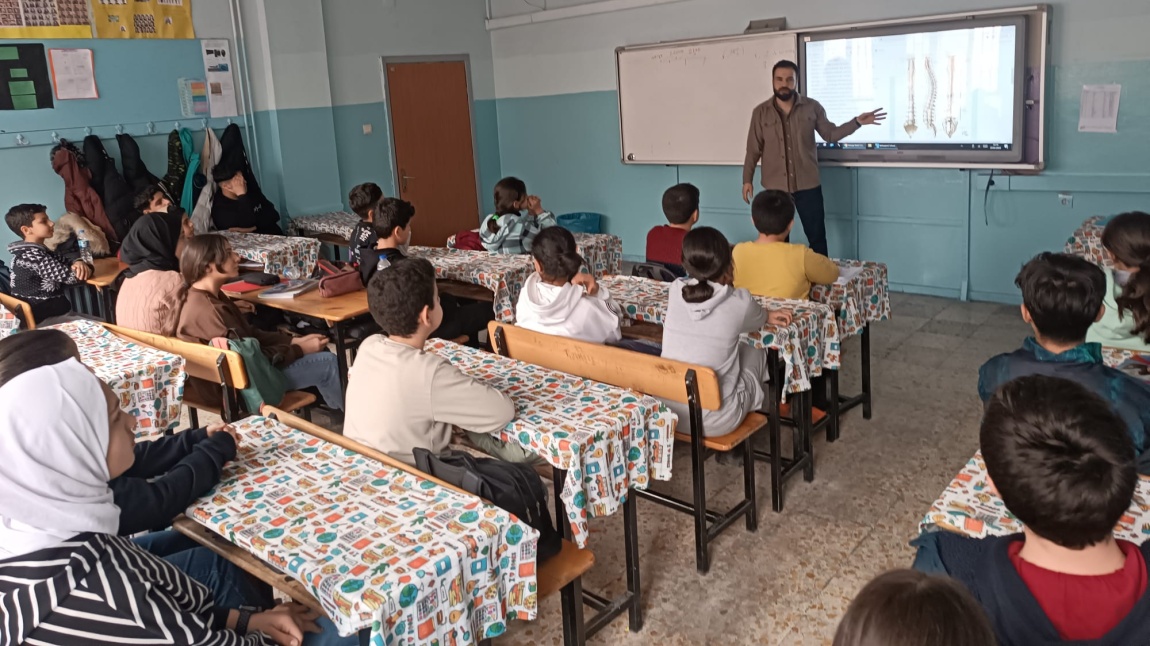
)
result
[(82, 244)]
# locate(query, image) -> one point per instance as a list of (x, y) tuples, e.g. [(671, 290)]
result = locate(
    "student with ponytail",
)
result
[(705, 317), (1125, 322)]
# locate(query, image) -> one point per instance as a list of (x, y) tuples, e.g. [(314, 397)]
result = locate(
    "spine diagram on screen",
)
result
[(950, 123), (910, 125), (928, 109)]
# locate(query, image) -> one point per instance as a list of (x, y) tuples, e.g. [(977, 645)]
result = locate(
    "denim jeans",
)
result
[(812, 213), (321, 370), (230, 587)]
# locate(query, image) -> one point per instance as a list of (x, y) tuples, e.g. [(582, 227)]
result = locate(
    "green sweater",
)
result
[(1112, 331)]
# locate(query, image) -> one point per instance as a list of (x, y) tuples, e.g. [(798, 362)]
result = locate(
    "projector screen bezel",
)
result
[(935, 158)]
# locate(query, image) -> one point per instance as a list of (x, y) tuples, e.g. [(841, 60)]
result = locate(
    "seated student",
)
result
[(39, 275), (152, 294), (665, 242), (909, 608), (399, 397), (362, 200), (58, 523), (509, 230), (1064, 466), (235, 209), (1061, 298), (1126, 322), (207, 265), (705, 318), (771, 266), (559, 300), (151, 199)]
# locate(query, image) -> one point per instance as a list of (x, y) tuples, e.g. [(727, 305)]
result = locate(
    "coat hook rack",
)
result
[(176, 125), (21, 140), (119, 129), (87, 131), (204, 123), (151, 128), (55, 137)]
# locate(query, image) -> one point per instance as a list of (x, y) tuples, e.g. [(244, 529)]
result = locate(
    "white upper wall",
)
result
[(360, 32), (578, 54)]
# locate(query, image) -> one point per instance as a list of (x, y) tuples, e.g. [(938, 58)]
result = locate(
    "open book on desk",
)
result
[(289, 289)]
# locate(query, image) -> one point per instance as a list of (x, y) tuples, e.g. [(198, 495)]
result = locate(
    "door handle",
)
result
[(403, 177)]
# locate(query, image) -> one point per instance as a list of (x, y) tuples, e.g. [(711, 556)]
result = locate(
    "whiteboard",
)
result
[(690, 102)]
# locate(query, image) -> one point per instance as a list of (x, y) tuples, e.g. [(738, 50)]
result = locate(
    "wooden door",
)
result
[(434, 154)]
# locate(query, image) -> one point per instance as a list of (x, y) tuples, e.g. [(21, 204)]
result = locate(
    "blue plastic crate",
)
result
[(581, 222)]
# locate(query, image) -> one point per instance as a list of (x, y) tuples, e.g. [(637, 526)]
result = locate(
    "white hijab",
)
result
[(53, 459)]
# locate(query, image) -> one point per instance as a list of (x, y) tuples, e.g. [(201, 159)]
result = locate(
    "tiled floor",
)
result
[(791, 581)]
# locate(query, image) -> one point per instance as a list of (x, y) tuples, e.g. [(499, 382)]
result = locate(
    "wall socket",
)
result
[(1066, 199), (367, 128)]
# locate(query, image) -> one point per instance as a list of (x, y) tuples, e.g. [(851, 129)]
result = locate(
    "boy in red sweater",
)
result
[(665, 242)]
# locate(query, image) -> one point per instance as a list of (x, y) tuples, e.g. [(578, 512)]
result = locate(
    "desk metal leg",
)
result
[(866, 371), (631, 546), (833, 405), (571, 596), (340, 355)]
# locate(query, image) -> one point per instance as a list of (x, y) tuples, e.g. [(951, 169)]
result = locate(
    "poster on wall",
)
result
[(45, 19), (143, 18), (218, 68), (73, 74), (24, 81)]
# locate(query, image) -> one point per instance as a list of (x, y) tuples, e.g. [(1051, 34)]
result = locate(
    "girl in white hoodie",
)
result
[(559, 300)]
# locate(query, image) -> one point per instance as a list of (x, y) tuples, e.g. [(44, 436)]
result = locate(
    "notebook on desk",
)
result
[(847, 274), (289, 289)]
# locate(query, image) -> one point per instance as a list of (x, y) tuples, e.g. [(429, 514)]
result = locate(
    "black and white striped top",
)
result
[(102, 589)]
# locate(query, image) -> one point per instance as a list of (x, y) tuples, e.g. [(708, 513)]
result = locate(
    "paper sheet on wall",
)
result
[(1098, 109), (39, 19), (218, 68), (143, 18), (73, 74)]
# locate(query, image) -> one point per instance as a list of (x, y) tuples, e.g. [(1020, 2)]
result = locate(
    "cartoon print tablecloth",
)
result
[(1086, 241), (864, 299), (337, 223), (1132, 363), (9, 323), (602, 252), (288, 256), (969, 506), (807, 345), (503, 274), (607, 438), (380, 548), (149, 382)]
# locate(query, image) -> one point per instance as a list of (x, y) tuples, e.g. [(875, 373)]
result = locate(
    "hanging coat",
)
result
[(189, 193), (173, 182), (117, 195), (79, 196), (135, 172), (202, 213)]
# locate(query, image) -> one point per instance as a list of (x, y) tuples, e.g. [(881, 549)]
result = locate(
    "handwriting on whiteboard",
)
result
[(695, 56)]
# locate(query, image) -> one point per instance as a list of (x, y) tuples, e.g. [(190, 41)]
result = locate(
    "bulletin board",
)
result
[(24, 80)]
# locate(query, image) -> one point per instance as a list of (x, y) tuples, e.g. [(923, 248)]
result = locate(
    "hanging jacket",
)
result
[(189, 193), (116, 194), (202, 212), (79, 196), (173, 182), (135, 172)]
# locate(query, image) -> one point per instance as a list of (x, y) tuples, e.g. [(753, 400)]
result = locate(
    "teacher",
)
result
[(783, 135)]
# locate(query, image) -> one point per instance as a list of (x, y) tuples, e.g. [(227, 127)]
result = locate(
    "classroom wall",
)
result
[(558, 129)]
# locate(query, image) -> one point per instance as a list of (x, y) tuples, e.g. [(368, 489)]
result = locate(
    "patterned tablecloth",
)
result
[(1086, 241), (149, 382), (970, 506), (9, 324), (1132, 363), (288, 256), (608, 439), (503, 274), (865, 298), (338, 223), (379, 547), (602, 252), (809, 344)]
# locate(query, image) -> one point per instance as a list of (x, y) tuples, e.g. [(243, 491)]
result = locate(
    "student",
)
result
[(1064, 466), (1126, 322), (771, 266), (235, 209), (58, 523), (559, 300), (1061, 297), (392, 227), (151, 199), (399, 397), (152, 294), (362, 199), (909, 608), (509, 230), (207, 265), (665, 242), (705, 317), (38, 274)]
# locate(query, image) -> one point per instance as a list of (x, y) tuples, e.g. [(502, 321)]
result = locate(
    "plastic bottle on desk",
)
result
[(85, 248)]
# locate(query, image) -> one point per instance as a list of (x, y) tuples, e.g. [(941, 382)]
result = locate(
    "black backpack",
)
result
[(513, 487)]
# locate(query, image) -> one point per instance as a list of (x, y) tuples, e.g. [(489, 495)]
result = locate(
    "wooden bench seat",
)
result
[(750, 425)]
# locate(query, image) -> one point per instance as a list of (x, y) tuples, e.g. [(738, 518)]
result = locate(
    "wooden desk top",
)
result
[(333, 310), (106, 271)]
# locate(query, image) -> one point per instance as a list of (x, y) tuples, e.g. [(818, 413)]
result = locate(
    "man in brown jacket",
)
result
[(782, 135)]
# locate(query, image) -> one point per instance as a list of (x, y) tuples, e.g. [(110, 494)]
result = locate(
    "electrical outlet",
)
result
[(367, 128), (1066, 199)]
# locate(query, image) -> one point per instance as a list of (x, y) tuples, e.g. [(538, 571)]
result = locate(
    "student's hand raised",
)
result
[(534, 204), (82, 270), (780, 318), (587, 282), (311, 343)]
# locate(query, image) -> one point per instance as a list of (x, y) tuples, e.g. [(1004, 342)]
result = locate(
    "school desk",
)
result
[(501, 274), (970, 506), (148, 382), (334, 228), (95, 295), (378, 547), (601, 440), (602, 252), (1086, 241), (1133, 363), (288, 256), (9, 322)]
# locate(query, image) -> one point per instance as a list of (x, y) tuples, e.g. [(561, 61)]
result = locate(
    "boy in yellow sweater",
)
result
[(771, 266)]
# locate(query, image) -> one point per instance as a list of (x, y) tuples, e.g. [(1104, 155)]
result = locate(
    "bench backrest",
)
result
[(645, 373), (200, 361)]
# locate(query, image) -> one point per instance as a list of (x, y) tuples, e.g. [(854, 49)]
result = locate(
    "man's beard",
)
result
[(784, 94)]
